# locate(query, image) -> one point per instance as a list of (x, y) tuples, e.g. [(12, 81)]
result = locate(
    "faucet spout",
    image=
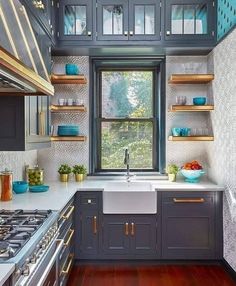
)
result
[(126, 162)]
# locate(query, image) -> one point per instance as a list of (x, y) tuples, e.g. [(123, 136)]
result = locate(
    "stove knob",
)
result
[(18, 271), (33, 258), (43, 246), (26, 271)]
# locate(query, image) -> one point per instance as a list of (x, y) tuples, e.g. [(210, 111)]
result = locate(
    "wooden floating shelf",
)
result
[(191, 138), (191, 78), (67, 108), (68, 79), (191, 108), (69, 138)]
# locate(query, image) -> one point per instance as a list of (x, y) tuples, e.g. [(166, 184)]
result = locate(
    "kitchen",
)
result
[(123, 85)]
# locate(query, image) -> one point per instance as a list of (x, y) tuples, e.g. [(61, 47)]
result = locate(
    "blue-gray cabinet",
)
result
[(191, 225), (75, 20), (132, 20), (187, 20)]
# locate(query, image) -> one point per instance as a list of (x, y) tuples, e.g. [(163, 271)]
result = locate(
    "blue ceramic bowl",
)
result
[(20, 187), (199, 100), (68, 130), (176, 131), (192, 176), (185, 131), (72, 69)]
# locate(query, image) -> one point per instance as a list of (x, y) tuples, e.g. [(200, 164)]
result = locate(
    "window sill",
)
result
[(122, 176)]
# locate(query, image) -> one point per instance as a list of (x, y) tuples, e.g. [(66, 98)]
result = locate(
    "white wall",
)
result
[(222, 152)]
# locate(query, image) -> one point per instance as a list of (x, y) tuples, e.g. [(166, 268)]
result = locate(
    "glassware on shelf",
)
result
[(180, 100)]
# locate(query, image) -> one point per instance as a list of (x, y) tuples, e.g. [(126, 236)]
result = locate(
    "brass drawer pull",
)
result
[(126, 228), (95, 225), (132, 229), (198, 200), (66, 271), (67, 216), (69, 238)]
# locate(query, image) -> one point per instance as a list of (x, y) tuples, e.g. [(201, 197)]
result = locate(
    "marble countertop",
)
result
[(5, 271)]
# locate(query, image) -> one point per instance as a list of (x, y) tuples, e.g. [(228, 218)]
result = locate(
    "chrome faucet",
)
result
[(126, 162)]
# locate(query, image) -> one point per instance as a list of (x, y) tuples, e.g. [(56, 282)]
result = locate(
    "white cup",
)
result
[(61, 101), (70, 101)]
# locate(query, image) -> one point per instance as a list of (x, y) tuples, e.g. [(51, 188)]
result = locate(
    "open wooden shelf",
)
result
[(68, 79), (191, 108), (67, 108), (191, 138), (191, 78), (80, 138)]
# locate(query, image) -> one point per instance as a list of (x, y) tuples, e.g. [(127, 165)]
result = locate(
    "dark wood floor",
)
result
[(149, 275)]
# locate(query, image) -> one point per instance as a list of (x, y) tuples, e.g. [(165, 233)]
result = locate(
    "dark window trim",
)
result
[(159, 154)]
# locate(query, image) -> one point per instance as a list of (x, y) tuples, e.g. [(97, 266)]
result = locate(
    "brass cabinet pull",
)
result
[(69, 238), (197, 200), (126, 228), (67, 216), (66, 271), (132, 229), (95, 225)]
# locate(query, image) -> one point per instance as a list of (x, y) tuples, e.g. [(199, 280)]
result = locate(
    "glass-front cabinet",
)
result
[(128, 20), (189, 20), (75, 20)]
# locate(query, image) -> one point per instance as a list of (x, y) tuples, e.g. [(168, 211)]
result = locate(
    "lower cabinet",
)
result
[(191, 225)]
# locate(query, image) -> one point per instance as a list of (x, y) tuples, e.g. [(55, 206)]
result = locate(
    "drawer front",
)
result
[(89, 200), (66, 269), (66, 216)]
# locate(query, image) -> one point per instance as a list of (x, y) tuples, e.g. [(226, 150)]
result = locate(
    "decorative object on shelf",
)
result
[(80, 172), (181, 100), (192, 171), (64, 171), (35, 176), (172, 170), (68, 130), (71, 69), (191, 138), (61, 101), (6, 177), (68, 79), (183, 131), (191, 108), (70, 101), (191, 78), (176, 131), (199, 100), (20, 187)]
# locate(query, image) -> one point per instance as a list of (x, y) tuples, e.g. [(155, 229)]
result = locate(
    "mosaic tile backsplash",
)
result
[(222, 152)]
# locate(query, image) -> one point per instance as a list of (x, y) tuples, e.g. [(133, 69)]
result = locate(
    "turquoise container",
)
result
[(20, 187), (72, 69)]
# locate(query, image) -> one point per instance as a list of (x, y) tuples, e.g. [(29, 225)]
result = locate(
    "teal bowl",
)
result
[(192, 176), (199, 100), (20, 187), (72, 69)]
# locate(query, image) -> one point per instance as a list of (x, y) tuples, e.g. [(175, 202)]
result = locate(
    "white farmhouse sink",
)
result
[(129, 198)]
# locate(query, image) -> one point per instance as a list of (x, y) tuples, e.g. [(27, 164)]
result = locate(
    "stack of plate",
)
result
[(68, 130)]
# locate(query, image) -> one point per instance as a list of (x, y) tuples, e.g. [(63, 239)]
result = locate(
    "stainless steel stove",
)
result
[(29, 240)]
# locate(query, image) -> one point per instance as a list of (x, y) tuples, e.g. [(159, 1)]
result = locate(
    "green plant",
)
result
[(172, 169), (64, 169), (79, 169)]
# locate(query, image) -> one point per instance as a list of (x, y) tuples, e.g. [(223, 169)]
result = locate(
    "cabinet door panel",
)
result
[(75, 20), (112, 20), (144, 20), (186, 20), (115, 235)]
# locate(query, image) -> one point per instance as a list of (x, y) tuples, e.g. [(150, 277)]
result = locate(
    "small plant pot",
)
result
[(172, 177), (64, 178), (79, 177)]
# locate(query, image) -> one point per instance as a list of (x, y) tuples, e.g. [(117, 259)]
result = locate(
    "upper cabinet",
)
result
[(75, 20), (189, 20), (128, 20)]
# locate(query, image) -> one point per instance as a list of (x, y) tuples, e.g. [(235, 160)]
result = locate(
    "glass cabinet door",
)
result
[(112, 20), (75, 20), (189, 19), (144, 20)]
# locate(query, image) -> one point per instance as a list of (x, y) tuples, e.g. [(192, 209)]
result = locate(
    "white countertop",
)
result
[(60, 193), (5, 271)]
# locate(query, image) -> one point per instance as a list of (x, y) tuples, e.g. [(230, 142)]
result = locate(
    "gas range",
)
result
[(17, 227)]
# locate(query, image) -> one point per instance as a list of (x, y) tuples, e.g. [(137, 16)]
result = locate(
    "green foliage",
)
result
[(64, 169), (79, 169), (172, 169)]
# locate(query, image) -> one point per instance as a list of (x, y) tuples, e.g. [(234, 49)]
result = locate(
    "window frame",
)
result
[(157, 119)]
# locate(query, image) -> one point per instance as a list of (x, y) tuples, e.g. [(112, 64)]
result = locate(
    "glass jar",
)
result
[(6, 185), (35, 176)]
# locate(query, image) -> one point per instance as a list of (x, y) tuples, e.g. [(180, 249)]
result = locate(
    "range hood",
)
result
[(22, 68)]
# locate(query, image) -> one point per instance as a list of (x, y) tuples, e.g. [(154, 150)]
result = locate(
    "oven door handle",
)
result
[(60, 243)]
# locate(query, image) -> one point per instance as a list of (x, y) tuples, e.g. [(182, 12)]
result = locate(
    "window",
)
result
[(126, 116)]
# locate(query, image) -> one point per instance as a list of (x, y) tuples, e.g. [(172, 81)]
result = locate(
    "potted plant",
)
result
[(64, 172), (80, 172), (172, 171)]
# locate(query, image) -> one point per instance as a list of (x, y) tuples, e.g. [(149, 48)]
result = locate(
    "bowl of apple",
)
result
[(192, 171)]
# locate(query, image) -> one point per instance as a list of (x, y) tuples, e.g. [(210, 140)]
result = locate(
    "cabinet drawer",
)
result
[(66, 216), (66, 268), (89, 200)]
